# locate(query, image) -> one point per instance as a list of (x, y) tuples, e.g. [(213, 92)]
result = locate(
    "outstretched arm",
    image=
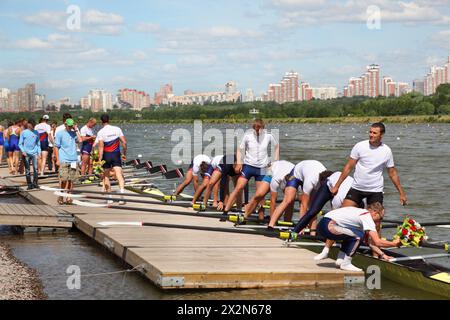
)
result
[(351, 163), (393, 174)]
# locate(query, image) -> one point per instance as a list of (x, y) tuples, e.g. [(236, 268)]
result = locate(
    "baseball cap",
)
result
[(69, 122), (46, 117)]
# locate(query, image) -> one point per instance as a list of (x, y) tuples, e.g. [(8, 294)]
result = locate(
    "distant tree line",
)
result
[(408, 104)]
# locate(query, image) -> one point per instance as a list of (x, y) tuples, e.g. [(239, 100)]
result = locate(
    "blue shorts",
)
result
[(112, 160), (6, 146), (292, 181), (249, 172), (44, 145), (86, 148), (267, 179), (13, 147)]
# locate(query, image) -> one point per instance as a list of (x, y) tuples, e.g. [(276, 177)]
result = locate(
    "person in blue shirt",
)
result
[(30, 146), (66, 142)]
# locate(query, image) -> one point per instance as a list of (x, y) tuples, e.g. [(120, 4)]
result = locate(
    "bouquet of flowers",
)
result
[(411, 233), (97, 166)]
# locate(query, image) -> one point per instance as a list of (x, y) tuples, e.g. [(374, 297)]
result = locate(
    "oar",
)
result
[(273, 234), (83, 196), (393, 224), (429, 256), (240, 220), (150, 210)]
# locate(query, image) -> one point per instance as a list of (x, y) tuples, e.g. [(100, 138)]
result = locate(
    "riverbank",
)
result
[(18, 281), (391, 119)]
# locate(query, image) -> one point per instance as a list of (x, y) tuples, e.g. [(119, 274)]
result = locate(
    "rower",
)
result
[(327, 180), (220, 169), (255, 145), (350, 225), (109, 140), (305, 175), (43, 129), (274, 180), (369, 158), (88, 138), (198, 165)]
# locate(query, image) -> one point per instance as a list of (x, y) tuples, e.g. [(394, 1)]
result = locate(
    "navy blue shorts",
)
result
[(86, 148), (249, 172), (112, 160), (351, 238), (292, 181), (44, 145)]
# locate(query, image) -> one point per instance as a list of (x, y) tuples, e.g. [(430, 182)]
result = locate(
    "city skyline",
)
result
[(145, 44)]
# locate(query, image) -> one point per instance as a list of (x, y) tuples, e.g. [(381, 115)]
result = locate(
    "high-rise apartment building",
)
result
[(134, 98), (418, 86), (436, 77)]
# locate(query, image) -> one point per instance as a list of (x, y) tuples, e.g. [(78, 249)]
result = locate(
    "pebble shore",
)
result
[(18, 281)]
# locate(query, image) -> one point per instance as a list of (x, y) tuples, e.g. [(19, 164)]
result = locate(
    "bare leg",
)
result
[(261, 190), (43, 163), (187, 180), (289, 197), (119, 176), (241, 183), (84, 164)]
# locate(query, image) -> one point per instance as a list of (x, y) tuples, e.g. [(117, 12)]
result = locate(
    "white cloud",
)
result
[(53, 41), (92, 21), (307, 12), (147, 27), (197, 60), (69, 83), (442, 39)]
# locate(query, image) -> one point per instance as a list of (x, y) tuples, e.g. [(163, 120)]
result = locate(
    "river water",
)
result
[(421, 153)]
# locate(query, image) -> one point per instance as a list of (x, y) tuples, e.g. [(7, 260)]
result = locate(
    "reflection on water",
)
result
[(421, 154)]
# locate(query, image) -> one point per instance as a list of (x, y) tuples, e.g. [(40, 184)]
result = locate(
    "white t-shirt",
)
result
[(371, 163), (280, 169), (198, 161), (308, 172), (86, 132), (256, 148), (216, 161), (43, 127), (339, 198), (351, 217), (110, 135)]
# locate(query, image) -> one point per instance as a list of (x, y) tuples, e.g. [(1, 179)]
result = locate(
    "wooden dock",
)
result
[(183, 258)]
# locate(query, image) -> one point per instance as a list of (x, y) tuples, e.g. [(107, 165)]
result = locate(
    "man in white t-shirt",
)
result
[(255, 145), (351, 226), (198, 165), (109, 140), (43, 129), (370, 157), (87, 141)]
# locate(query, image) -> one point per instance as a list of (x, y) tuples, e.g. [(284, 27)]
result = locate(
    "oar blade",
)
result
[(174, 174)]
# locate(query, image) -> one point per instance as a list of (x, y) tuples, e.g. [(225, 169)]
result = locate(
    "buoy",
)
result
[(398, 138), (139, 155)]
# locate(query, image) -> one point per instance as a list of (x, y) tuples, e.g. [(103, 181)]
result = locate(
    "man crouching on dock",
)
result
[(351, 226)]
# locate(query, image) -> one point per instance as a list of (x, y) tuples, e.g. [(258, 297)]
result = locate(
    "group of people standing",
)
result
[(356, 202), (65, 148)]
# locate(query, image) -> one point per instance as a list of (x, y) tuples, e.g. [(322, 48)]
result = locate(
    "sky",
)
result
[(70, 47)]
